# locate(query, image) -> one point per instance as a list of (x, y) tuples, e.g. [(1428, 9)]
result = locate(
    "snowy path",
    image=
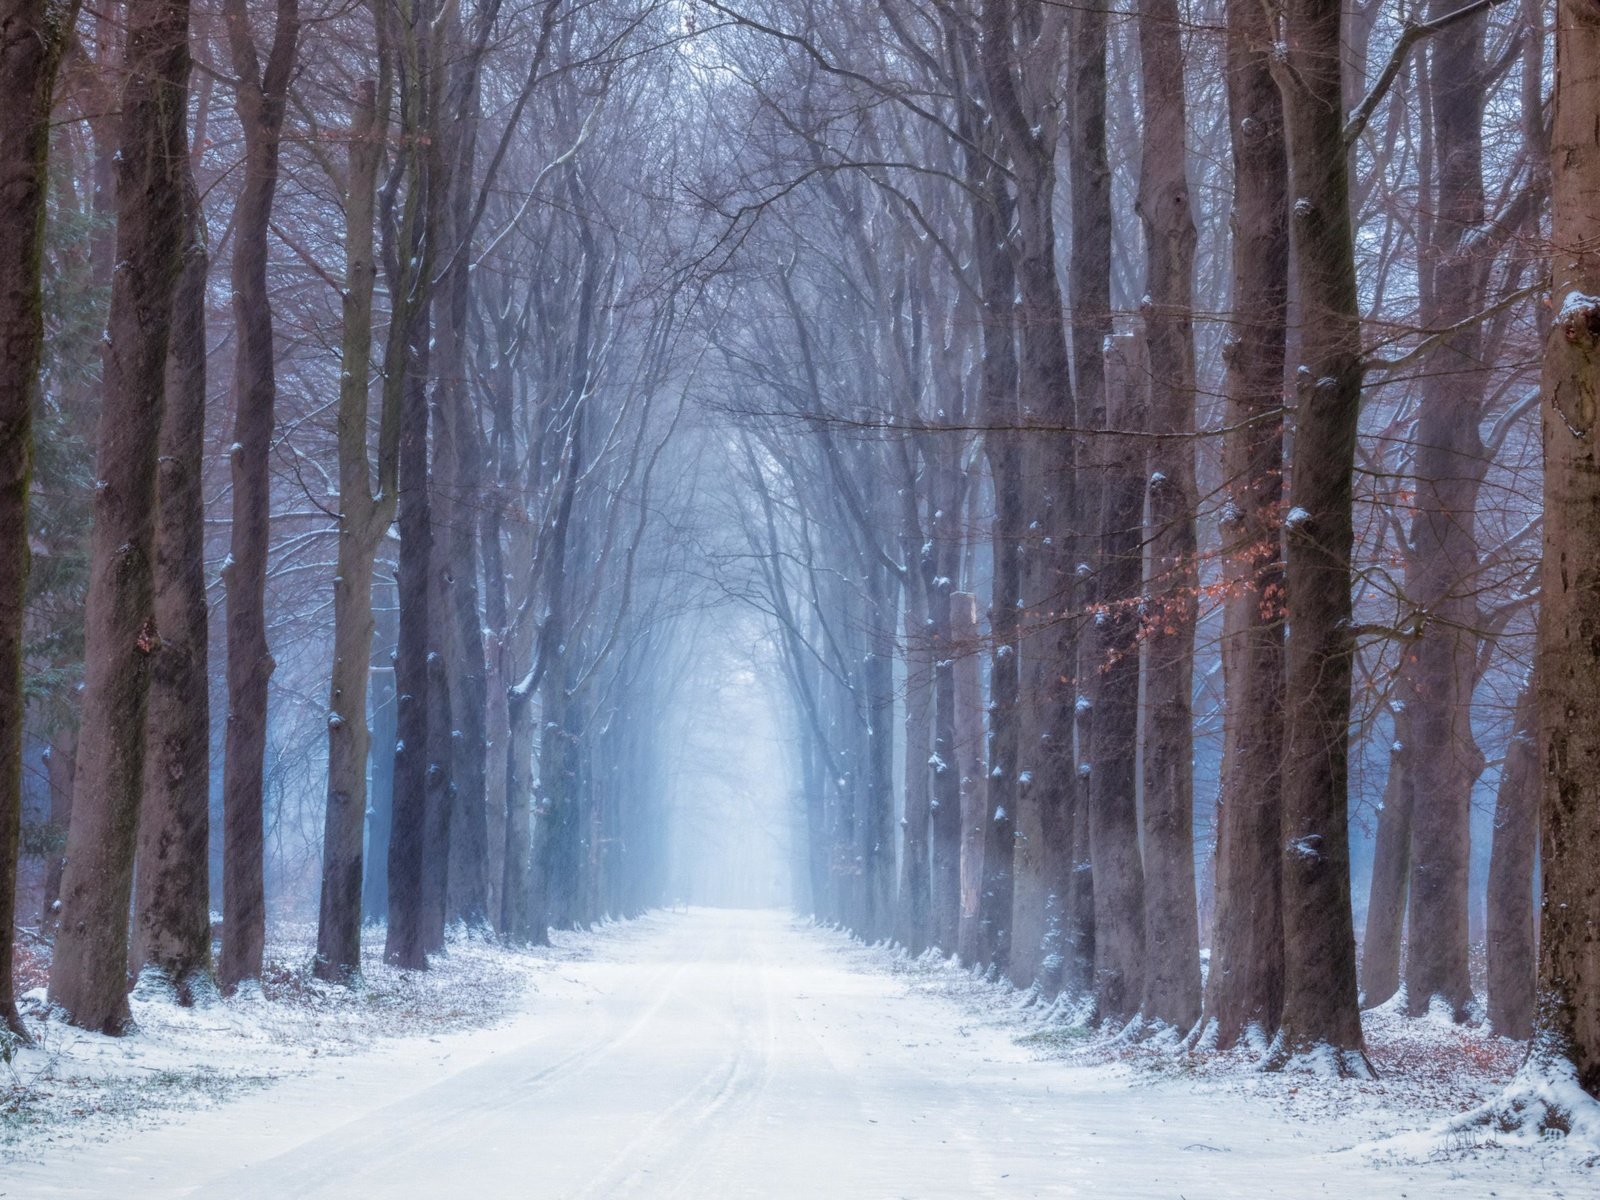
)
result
[(727, 1055)]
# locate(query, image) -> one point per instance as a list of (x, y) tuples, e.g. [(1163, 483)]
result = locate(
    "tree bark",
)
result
[(1567, 662), (33, 35), (1244, 988), (172, 923), (262, 95), (964, 639), (1119, 886), (1172, 934), (364, 518), (409, 268), (945, 784), (60, 771), (1391, 874), (1443, 582), (875, 833), (456, 493), (381, 720), (1090, 285), (89, 975), (1021, 56), (1320, 1003), (913, 909), (998, 409), (1512, 944)]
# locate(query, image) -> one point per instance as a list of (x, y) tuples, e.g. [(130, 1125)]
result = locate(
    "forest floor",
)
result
[(724, 1054)]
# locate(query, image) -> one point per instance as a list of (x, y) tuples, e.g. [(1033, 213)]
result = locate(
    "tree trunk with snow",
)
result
[(1244, 988), (1444, 580), (1566, 1035), (1119, 886), (1320, 1004), (365, 512), (1391, 874), (1090, 286), (89, 975), (1511, 943), (964, 638), (262, 97), (1172, 934), (172, 910), (37, 33), (913, 907)]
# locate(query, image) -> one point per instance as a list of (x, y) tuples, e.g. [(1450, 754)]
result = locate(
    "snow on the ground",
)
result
[(749, 1054), (1434, 1075), (71, 1085)]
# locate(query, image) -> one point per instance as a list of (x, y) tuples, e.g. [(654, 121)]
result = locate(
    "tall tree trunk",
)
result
[(89, 976), (1320, 1005), (518, 796), (1021, 51), (409, 264), (172, 924), (1512, 945), (912, 911), (517, 885), (59, 771), (1090, 286), (998, 411), (1244, 988), (381, 719), (262, 95), (456, 495), (1567, 1026), (35, 33), (1172, 934), (1119, 932), (875, 839), (404, 945), (945, 784), (1443, 581), (964, 639), (497, 741), (364, 518), (1391, 873)]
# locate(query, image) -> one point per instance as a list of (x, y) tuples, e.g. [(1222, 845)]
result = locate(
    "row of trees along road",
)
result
[(1124, 425)]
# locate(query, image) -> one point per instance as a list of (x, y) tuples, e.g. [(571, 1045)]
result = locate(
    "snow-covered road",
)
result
[(727, 1054)]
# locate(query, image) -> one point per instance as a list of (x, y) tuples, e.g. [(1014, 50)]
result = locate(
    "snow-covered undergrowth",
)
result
[(1440, 1095), (74, 1085)]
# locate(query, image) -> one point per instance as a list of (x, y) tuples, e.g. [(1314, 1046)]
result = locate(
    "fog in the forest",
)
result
[(730, 796), (1070, 523)]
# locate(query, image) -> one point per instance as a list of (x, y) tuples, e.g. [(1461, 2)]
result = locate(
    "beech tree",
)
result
[(37, 34), (172, 923), (1320, 1006), (1566, 1039), (1244, 989), (88, 978), (262, 93)]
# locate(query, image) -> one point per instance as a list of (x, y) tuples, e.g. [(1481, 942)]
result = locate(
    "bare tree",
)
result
[(30, 53), (1245, 986), (172, 922), (89, 976), (262, 91), (1320, 1008), (366, 511)]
